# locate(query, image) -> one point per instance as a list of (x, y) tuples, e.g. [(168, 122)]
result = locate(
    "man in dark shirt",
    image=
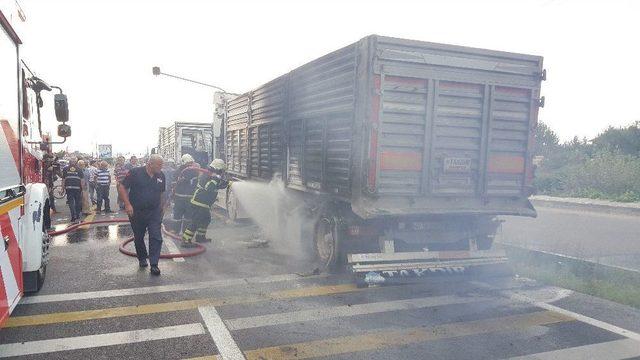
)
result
[(144, 203)]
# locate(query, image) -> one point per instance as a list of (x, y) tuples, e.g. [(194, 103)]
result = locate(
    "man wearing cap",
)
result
[(199, 215), (186, 178)]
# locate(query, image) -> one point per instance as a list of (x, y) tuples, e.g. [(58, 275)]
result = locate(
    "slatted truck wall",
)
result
[(396, 126)]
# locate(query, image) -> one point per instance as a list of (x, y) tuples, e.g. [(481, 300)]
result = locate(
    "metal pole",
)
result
[(193, 81)]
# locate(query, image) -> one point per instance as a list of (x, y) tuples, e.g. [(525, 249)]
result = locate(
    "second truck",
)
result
[(181, 138), (403, 151)]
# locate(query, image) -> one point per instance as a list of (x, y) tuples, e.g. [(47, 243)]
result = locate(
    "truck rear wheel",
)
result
[(326, 242), (231, 205)]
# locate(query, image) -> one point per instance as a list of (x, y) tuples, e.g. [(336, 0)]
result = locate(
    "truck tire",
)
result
[(33, 280), (231, 204), (326, 242)]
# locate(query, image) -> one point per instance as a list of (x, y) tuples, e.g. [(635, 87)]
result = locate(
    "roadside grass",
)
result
[(605, 282)]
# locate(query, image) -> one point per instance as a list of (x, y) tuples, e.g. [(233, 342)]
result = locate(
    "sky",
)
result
[(102, 53)]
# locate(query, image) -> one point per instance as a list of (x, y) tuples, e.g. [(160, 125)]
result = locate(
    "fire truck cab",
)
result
[(24, 197)]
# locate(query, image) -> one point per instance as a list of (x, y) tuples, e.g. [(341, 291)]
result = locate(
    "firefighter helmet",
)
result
[(218, 164), (186, 158)]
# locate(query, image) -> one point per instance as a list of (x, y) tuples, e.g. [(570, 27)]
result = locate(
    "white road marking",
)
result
[(93, 341), (346, 311), (582, 318), (173, 249), (221, 336), (611, 350), (38, 299)]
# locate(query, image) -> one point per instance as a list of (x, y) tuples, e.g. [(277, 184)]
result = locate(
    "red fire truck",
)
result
[(24, 198)]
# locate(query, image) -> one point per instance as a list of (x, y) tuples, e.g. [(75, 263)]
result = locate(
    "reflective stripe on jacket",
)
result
[(72, 176), (207, 190)]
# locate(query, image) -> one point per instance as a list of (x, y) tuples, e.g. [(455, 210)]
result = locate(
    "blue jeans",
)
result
[(147, 220)]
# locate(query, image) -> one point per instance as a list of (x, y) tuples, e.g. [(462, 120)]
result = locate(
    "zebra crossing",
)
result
[(290, 317)]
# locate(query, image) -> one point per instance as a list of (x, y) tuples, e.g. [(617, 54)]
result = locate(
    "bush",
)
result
[(550, 184), (606, 168), (607, 175)]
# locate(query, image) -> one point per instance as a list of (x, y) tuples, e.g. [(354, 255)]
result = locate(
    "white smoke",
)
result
[(279, 214)]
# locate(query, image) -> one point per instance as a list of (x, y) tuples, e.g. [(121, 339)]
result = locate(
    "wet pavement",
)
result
[(236, 301)]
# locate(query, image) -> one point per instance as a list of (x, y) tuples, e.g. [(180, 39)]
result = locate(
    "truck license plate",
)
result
[(457, 165)]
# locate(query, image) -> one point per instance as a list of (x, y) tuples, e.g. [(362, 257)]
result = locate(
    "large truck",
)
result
[(24, 197), (180, 138), (404, 151)]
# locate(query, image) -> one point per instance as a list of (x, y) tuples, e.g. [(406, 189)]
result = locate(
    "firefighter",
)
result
[(202, 202), (186, 179)]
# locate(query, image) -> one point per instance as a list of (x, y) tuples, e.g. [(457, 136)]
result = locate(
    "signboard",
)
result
[(104, 151)]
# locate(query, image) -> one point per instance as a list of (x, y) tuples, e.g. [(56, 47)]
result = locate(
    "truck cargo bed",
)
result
[(396, 127)]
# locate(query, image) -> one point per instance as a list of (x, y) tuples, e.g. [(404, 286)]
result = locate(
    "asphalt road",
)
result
[(238, 301), (608, 238)]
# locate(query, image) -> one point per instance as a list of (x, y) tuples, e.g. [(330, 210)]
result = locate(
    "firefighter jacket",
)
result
[(186, 181), (207, 190)]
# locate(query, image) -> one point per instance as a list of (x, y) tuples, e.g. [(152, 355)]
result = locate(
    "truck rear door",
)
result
[(452, 121)]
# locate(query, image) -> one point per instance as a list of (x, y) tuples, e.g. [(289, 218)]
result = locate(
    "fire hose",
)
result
[(197, 251)]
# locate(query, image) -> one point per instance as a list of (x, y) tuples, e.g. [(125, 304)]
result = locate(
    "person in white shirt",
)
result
[(103, 185), (92, 169)]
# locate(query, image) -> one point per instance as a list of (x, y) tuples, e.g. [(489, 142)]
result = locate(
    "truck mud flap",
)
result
[(375, 269)]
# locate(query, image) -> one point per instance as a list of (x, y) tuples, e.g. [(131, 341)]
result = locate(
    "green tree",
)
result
[(547, 140), (625, 140)]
